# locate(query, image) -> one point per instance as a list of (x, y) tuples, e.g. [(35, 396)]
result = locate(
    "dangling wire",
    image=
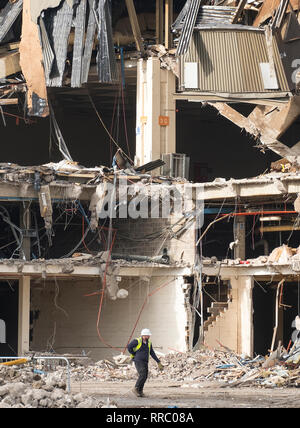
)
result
[(59, 137), (298, 297)]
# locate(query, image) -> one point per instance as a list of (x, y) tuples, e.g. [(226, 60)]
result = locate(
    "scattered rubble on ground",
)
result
[(194, 368), (21, 387), (25, 386)]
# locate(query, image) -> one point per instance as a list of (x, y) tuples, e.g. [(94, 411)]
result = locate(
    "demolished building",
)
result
[(164, 100)]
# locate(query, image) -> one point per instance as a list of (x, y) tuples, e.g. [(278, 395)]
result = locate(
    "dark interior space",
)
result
[(264, 298), (216, 146), (70, 231), (258, 242), (32, 141), (263, 317), (290, 299), (9, 314)]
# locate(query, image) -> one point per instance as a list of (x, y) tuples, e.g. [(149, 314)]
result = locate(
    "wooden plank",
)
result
[(8, 101), (268, 8), (9, 64), (282, 228), (239, 11)]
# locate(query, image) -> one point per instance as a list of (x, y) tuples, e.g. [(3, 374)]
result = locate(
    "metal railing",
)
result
[(29, 359)]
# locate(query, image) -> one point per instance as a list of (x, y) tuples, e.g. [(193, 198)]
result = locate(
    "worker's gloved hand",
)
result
[(160, 366)]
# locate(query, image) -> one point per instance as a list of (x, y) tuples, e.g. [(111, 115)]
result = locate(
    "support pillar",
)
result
[(159, 22), (240, 235), (24, 315), (156, 111), (25, 223), (169, 14), (245, 315)]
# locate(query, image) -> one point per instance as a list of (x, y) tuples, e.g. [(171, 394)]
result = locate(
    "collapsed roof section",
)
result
[(64, 35), (223, 61)]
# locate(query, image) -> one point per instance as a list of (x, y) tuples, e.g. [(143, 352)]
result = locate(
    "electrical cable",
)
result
[(142, 308), (107, 131)]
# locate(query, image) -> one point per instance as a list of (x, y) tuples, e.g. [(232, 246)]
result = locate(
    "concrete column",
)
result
[(245, 315), (155, 89), (24, 315), (169, 15), (240, 235), (159, 21), (25, 224)]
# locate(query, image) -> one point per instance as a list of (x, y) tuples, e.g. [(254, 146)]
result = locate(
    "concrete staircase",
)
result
[(214, 310)]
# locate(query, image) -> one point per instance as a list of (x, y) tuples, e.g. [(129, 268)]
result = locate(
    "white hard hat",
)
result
[(145, 332)]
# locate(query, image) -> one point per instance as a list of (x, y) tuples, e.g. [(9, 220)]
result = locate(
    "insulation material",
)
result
[(281, 255), (46, 206)]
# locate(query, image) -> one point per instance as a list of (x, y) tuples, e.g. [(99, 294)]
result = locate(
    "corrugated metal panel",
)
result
[(58, 24), (228, 61), (207, 15), (8, 15), (188, 27)]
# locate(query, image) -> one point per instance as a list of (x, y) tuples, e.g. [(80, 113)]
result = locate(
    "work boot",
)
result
[(136, 392), (142, 394)]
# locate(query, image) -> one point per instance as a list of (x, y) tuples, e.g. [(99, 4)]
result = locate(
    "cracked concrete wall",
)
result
[(67, 317), (179, 250), (234, 327)]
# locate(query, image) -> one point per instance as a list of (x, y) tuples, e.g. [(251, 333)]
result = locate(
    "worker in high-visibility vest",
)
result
[(140, 350)]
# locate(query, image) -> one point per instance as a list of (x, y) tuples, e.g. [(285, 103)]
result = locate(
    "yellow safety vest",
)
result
[(140, 341)]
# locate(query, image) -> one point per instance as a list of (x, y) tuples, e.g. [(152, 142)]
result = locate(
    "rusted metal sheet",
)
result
[(229, 61)]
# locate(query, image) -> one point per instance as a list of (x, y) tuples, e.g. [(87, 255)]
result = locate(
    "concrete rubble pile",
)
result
[(193, 369), (283, 255), (20, 387)]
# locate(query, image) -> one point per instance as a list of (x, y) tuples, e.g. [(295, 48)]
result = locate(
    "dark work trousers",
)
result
[(142, 369)]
